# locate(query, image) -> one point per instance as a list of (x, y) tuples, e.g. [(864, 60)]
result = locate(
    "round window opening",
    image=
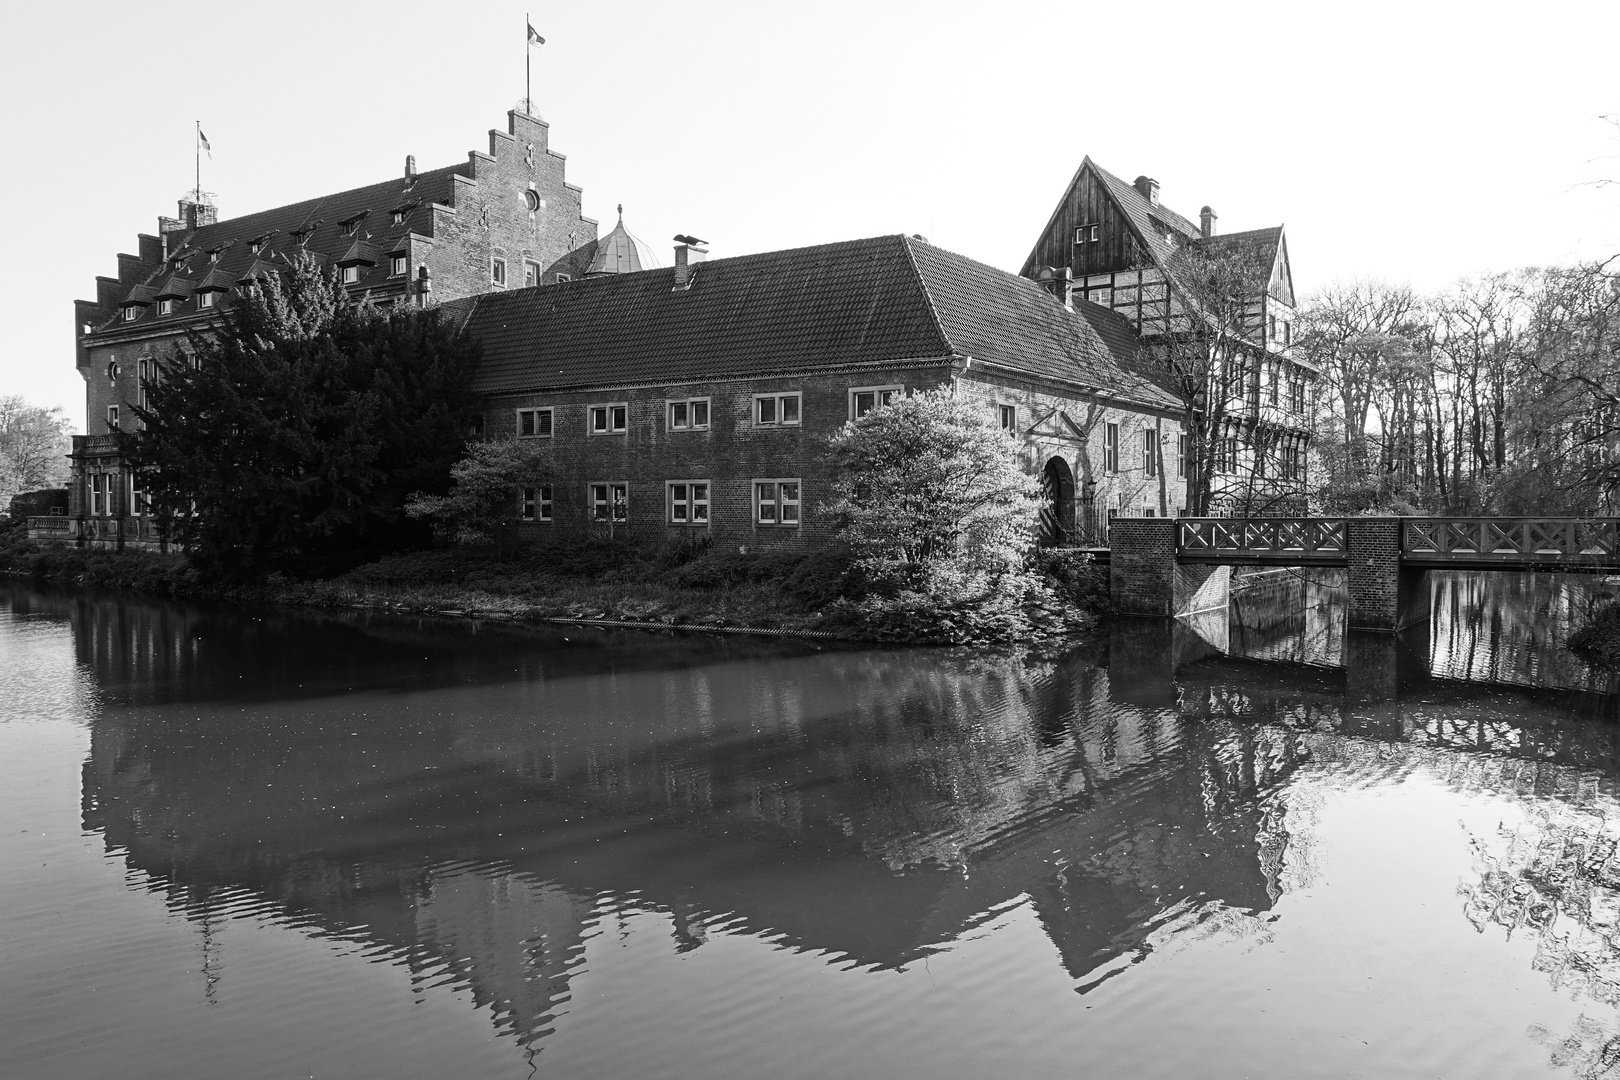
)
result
[(532, 199), (112, 371)]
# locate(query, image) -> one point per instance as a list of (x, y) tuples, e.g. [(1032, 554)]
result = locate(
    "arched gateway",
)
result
[(1057, 510)]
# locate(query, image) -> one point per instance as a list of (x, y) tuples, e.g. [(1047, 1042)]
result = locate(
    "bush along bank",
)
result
[(816, 591), (1598, 642)]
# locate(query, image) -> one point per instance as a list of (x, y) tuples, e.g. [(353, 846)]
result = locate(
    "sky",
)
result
[(1413, 142)]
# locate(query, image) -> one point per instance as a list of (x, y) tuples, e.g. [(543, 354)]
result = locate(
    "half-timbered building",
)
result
[(1214, 314)]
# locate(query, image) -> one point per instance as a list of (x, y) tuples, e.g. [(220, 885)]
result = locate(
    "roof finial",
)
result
[(621, 213)]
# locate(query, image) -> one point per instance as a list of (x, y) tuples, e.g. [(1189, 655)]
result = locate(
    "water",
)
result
[(286, 846)]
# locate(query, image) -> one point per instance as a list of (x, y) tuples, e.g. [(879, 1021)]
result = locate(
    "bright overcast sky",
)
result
[(1417, 142)]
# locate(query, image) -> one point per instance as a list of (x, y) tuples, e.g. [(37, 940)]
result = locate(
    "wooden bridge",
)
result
[(1168, 566)]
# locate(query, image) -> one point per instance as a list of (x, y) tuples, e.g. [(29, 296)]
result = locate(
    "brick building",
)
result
[(1214, 316), (502, 219), (695, 400)]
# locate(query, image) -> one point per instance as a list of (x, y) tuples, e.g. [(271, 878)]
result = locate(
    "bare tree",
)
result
[(34, 445)]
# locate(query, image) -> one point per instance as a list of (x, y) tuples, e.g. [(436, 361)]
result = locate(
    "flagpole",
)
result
[(196, 153), (528, 51)]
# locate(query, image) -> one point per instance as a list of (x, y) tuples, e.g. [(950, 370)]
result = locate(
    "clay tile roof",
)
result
[(861, 302), (361, 251), (174, 287), (258, 269), (215, 279)]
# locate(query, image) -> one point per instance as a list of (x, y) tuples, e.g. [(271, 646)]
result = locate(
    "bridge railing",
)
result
[(1320, 537), (1510, 538)]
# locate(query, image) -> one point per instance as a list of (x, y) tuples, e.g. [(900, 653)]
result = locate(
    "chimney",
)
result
[(1148, 188), (689, 251), (424, 286), (1057, 280), (1206, 221), (410, 166)]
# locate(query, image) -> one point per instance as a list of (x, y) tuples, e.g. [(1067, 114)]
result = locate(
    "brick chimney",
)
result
[(1206, 221), (689, 251), (1148, 188), (1057, 280), (410, 166)]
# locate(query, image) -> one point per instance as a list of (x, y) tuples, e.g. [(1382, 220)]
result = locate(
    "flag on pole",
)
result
[(535, 38), (202, 140)]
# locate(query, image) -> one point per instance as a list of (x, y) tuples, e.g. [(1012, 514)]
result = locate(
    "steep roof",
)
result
[(315, 227), (857, 302)]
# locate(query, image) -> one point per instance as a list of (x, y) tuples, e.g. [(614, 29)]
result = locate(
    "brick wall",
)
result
[(492, 216), (1375, 572), (1142, 566), (730, 455)]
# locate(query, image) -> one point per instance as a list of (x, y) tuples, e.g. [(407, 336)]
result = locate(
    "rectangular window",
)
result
[(776, 502), (776, 410), (205, 299), (1009, 418), (112, 418), (165, 307), (1183, 443), (1088, 234), (351, 274), (531, 274), (688, 502), (689, 415), (863, 399), (497, 271), (396, 266), (132, 312), (535, 503), (1111, 448), (1150, 451), (611, 419), (139, 505), (1296, 393), (610, 501), (534, 423), (98, 494)]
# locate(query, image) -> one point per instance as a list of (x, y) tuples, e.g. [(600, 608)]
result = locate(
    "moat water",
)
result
[(1252, 844)]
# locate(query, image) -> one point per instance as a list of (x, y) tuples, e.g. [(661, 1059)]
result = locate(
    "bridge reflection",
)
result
[(477, 807)]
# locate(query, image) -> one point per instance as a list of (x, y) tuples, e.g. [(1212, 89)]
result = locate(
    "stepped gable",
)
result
[(844, 305)]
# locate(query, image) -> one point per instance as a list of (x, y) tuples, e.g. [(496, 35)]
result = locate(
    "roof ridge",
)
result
[(928, 297)]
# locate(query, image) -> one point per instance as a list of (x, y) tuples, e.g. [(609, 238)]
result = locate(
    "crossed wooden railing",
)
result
[(1575, 541), (1510, 539), (1312, 537)]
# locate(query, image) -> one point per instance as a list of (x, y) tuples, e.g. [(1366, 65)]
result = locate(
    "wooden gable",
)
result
[(1086, 209), (1281, 286)]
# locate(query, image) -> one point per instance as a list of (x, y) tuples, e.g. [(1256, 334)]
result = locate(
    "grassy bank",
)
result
[(649, 584)]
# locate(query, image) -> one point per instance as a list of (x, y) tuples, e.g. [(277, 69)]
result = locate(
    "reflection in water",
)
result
[(485, 809)]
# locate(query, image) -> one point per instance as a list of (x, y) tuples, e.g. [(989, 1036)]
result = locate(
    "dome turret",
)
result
[(622, 252)]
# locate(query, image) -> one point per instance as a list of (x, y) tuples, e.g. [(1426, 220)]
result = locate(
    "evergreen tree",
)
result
[(289, 436)]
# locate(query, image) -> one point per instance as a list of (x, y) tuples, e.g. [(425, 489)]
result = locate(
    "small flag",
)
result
[(535, 38), (203, 140)]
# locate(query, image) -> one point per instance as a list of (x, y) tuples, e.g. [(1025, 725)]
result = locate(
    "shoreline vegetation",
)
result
[(818, 593)]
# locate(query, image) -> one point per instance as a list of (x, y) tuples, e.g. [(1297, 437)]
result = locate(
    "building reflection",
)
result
[(477, 812)]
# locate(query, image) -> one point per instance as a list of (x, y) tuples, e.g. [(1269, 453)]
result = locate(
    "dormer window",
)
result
[(396, 266), (166, 306), (205, 299), (254, 246), (399, 217), (131, 312), (351, 274)]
